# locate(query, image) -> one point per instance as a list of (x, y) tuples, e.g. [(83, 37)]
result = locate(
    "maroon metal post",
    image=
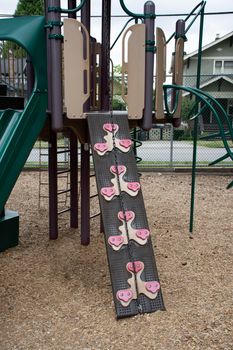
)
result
[(105, 67), (105, 96), (149, 9), (48, 42), (73, 180), (73, 158), (85, 154), (180, 32), (85, 194), (54, 19), (53, 216), (52, 166)]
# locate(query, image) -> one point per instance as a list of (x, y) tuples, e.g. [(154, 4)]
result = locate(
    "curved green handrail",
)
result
[(136, 15), (224, 114), (118, 36), (209, 97), (198, 94)]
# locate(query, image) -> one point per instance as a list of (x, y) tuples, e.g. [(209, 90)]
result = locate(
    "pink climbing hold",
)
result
[(118, 169), (124, 295), (125, 143), (152, 286), (126, 216), (101, 147), (110, 127), (108, 191), (143, 233), (135, 266), (116, 240), (133, 186)]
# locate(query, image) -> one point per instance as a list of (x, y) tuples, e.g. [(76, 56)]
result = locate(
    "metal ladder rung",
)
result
[(63, 191), (63, 151), (94, 196), (63, 211), (94, 216), (63, 171)]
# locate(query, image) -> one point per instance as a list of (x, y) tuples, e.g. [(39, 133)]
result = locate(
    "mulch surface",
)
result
[(57, 294)]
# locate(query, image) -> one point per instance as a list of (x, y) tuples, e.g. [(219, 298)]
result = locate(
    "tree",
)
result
[(187, 108), (30, 8)]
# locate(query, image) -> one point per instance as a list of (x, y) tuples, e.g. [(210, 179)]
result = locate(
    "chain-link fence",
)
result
[(163, 146)]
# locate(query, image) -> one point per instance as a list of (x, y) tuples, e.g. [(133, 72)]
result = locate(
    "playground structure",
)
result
[(86, 114)]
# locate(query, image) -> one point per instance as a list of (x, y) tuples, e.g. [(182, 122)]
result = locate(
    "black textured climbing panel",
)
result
[(135, 287)]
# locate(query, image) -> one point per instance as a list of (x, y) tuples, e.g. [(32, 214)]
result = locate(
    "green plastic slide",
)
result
[(20, 129)]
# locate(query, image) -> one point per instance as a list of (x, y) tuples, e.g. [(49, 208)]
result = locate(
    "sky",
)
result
[(221, 24)]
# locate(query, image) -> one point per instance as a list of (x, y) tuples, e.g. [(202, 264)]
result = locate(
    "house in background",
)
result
[(216, 74)]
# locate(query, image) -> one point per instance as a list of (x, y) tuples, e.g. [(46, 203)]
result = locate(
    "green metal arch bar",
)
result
[(135, 15), (171, 113), (197, 93), (202, 4), (213, 100), (74, 10), (118, 36), (202, 93)]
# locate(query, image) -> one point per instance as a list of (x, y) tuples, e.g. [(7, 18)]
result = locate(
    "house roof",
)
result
[(212, 80), (213, 43)]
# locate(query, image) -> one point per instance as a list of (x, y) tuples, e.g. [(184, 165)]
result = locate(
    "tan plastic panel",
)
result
[(160, 72), (178, 72), (133, 70), (76, 68)]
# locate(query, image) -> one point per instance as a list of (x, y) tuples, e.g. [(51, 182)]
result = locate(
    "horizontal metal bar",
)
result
[(63, 171), (94, 216), (63, 151), (94, 196), (63, 191), (63, 211)]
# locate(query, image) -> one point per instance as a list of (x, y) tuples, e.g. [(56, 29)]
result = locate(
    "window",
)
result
[(218, 67), (223, 67), (228, 67), (230, 107)]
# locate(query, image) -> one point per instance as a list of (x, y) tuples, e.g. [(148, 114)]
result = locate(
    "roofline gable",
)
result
[(213, 43)]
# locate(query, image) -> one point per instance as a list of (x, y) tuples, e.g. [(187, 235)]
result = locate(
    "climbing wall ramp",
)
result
[(135, 283)]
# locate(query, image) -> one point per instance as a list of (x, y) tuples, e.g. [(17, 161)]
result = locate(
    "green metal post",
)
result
[(195, 131)]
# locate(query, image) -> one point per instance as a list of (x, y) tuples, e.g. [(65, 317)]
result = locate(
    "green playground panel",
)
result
[(9, 230), (19, 130)]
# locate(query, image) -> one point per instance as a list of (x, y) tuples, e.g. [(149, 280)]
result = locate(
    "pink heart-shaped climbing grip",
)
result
[(115, 240), (135, 266), (108, 191), (101, 147), (152, 287), (143, 233), (125, 143), (120, 169), (124, 295), (110, 127), (126, 216), (133, 186)]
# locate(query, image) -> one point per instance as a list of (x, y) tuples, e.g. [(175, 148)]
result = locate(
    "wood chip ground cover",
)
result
[(57, 294)]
